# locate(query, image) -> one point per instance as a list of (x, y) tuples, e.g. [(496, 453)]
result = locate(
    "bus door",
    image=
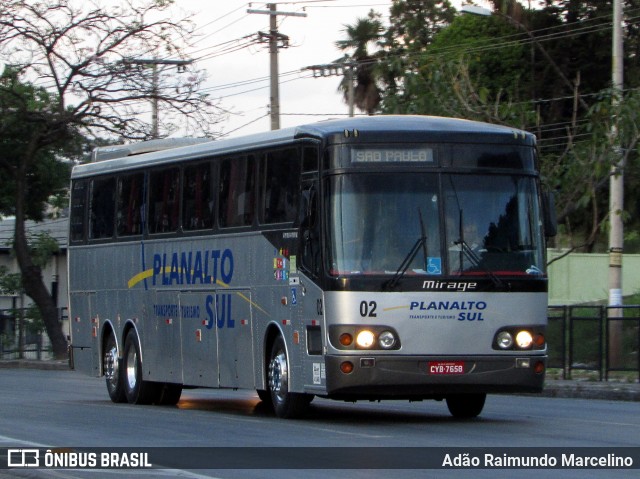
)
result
[(162, 347), (85, 330), (199, 339), (235, 345)]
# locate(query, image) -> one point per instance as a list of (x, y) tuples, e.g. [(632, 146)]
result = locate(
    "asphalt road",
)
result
[(54, 409)]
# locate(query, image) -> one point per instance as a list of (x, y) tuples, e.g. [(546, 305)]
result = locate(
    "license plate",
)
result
[(446, 367)]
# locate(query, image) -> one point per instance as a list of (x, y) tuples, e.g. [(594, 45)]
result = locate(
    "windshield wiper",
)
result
[(420, 243)]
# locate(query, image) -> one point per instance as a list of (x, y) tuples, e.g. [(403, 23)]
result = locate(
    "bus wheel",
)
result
[(136, 390), (285, 404), (466, 406), (113, 371)]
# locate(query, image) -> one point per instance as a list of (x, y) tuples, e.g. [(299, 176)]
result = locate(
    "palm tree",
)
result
[(363, 34)]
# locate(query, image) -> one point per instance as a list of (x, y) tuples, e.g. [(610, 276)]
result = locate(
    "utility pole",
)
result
[(155, 81), (276, 40), (338, 69), (616, 194)]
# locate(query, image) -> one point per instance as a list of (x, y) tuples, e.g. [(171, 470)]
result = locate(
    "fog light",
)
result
[(539, 367), (365, 339), (504, 340), (386, 340), (346, 367), (524, 339)]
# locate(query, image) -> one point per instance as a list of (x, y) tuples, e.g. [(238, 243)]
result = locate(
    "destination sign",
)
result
[(391, 155)]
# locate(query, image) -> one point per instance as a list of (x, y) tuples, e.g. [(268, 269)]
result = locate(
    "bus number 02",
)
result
[(368, 309)]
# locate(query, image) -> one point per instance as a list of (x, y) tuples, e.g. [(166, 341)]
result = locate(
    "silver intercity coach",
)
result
[(390, 257)]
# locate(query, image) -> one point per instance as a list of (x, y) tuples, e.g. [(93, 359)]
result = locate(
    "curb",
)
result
[(607, 390), (48, 365)]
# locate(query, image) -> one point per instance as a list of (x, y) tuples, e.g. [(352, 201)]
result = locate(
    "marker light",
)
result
[(539, 341), (386, 340), (504, 340), (365, 339), (524, 339), (346, 339)]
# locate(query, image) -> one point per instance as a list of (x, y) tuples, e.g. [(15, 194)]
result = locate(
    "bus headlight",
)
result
[(365, 339), (386, 340), (520, 338), (504, 340), (369, 337), (524, 339)]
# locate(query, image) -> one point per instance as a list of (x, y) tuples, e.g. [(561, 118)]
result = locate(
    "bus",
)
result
[(370, 258)]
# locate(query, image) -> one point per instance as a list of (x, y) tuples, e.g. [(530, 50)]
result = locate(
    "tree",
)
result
[(413, 24), (74, 73), (546, 70), (465, 72), (360, 36)]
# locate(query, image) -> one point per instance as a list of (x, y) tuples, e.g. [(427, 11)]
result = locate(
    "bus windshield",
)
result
[(430, 224)]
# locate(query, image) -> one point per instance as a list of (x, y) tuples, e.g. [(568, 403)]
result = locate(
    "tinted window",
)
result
[(237, 190), (130, 204), (197, 203), (101, 208), (78, 203), (281, 186), (164, 204)]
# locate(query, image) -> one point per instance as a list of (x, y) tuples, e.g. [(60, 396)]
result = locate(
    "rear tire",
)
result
[(285, 403), (466, 406), (136, 389), (112, 366)]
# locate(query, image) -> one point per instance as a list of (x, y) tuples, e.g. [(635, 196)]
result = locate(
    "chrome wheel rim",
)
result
[(111, 366), (132, 361), (279, 375)]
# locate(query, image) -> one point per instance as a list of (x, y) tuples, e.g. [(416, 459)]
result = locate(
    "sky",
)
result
[(239, 77)]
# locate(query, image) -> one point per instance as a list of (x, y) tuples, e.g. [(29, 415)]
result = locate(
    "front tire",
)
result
[(168, 394), (285, 404), (112, 365), (136, 389), (466, 406)]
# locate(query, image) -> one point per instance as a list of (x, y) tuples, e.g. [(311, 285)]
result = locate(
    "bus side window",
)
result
[(309, 230), (237, 186), (130, 204), (280, 192), (164, 205), (78, 208), (101, 208), (197, 201)]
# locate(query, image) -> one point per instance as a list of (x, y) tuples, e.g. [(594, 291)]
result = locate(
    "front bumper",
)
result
[(409, 377)]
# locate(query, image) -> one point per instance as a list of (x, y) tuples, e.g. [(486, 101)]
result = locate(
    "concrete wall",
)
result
[(581, 277)]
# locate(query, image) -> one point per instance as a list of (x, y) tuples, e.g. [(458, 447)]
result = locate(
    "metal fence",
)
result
[(599, 339), (22, 334)]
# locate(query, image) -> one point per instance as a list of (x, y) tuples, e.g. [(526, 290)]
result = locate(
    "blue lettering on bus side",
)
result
[(448, 305), (210, 314), (189, 267), (218, 310)]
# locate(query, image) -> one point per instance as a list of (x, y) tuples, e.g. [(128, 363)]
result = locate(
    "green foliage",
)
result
[(29, 147), (361, 37), (546, 70), (42, 247), (10, 283)]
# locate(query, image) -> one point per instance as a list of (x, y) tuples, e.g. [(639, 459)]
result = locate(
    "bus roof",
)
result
[(370, 129)]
